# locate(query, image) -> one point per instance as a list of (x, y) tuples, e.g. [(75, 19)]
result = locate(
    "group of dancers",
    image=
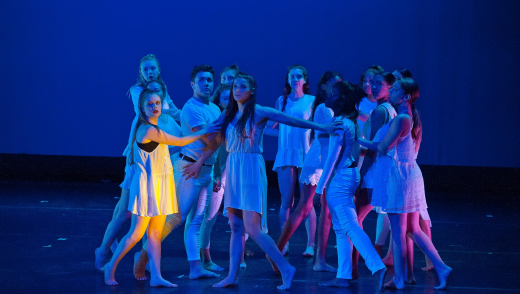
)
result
[(181, 173)]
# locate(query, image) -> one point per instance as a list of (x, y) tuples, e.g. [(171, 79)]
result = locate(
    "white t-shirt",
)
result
[(194, 114)]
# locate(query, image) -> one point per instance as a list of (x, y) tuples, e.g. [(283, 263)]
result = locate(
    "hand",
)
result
[(213, 128), (191, 170), (332, 126), (317, 200), (218, 184)]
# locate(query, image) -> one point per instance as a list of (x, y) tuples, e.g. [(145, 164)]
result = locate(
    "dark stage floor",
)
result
[(49, 231)]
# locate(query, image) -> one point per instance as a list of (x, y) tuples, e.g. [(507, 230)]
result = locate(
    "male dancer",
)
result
[(193, 173)]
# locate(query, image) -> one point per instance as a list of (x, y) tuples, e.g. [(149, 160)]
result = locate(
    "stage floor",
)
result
[(49, 231)]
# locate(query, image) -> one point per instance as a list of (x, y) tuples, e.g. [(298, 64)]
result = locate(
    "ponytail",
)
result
[(416, 129)]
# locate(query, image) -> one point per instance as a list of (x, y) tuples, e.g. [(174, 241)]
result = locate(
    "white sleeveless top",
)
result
[(293, 143)]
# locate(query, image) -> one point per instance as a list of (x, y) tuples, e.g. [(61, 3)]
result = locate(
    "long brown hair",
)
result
[(410, 87), (249, 109), (287, 89), (142, 120)]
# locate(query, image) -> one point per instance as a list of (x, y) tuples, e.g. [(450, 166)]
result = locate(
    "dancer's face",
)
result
[(242, 90), (296, 78), (203, 84), (332, 101), (367, 83), (224, 98), (227, 77), (156, 87), (327, 87), (152, 106), (149, 70), (379, 88), (397, 96), (397, 74)]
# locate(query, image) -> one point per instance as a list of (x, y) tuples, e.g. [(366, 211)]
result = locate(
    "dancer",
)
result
[(293, 145), (228, 74), (402, 182), (149, 71), (310, 175), (246, 195), (193, 182), (152, 196), (424, 216), (343, 155), (381, 84)]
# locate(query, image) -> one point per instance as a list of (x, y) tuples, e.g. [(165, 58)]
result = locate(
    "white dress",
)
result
[(168, 125), (152, 191), (246, 179), (293, 143), (368, 180), (317, 155), (403, 181)]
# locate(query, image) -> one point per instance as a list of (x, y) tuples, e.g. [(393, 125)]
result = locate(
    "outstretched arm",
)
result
[(280, 117), (146, 134)]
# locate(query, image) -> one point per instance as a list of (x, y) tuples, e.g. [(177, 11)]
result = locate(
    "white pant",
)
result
[(344, 221), (211, 214)]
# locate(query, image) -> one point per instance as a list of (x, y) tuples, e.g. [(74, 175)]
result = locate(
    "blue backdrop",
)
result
[(66, 65)]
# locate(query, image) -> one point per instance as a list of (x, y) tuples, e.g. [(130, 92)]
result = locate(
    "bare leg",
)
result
[(119, 218), (324, 224), (252, 222), (236, 247), (426, 228), (382, 229), (287, 178), (410, 278), (388, 260), (363, 207), (155, 229), (135, 234), (399, 225), (302, 209), (426, 245)]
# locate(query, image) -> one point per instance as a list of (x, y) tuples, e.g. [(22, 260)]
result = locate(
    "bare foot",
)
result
[(380, 275), (243, 264), (100, 259), (210, 266), (336, 282), (287, 278), (227, 282), (324, 267), (273, 265), (355, 275), (410, 281), (309, 252), (202, 274), (391, 285), (248, 252), (140, 266), (443, 278), (109, 275), (388, 260), (429, 265), (160, 282)]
